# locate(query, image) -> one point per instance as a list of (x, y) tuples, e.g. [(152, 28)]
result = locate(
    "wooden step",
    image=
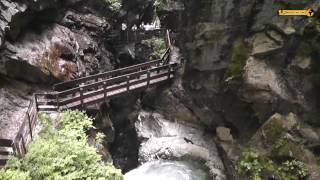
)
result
[(5, 142), (4, 153)]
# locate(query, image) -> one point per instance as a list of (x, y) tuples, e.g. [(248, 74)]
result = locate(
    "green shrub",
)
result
[(158, 45), (63, 153), (14, 175), (253, 164)]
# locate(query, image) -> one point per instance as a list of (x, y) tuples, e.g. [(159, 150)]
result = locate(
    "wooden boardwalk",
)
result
[(82, 92)]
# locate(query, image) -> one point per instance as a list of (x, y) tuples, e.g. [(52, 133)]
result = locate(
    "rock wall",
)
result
[(52, 40), (244, 62)]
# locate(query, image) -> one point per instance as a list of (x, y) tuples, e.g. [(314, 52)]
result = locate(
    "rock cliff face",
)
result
[(244, 62), (58, 41)]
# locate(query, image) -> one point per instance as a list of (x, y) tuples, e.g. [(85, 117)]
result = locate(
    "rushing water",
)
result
[(168, 170)]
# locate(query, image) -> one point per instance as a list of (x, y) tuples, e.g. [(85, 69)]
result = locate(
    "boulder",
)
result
[(266, 43), (309, 134), (224, 134)]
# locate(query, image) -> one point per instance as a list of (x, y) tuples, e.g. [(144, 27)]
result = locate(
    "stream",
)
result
[(168, 170)]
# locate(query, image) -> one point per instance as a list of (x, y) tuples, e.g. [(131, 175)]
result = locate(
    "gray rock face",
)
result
[(58, 52), (270, 73), (9, 10), (14, 98), (163, 139)]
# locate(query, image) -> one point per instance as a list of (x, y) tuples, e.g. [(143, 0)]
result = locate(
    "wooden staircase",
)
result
[(5, 151)]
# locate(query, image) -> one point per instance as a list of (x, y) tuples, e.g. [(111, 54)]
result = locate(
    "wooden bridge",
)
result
[(82, 92)]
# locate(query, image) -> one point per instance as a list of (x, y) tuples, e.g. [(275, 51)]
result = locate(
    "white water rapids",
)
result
[(167, 170)]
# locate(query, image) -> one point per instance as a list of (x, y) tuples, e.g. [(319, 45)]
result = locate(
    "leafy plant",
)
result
[(158, 45), (100, 137), (63, 153), (14, 175), (292, 170), (250, 164)]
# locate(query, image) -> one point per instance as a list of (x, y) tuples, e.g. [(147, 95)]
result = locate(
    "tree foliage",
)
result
[(63, 153)]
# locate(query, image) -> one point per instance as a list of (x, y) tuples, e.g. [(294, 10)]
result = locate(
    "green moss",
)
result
[(239, 57), (273, 131), (285, 149)]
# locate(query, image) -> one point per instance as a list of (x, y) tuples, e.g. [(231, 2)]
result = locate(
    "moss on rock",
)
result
[(240, 54), (273, 131), (285, 149)]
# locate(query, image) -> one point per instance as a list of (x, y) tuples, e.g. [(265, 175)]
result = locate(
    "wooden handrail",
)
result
[(109, 81), (71, 83), (97, 88), (59, 86)]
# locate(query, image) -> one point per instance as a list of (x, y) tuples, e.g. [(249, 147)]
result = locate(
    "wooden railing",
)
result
[(90, 93), (18, 145), (105, 75), (25, 132)]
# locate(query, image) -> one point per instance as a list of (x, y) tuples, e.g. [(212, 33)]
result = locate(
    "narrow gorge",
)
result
[(234, 96)]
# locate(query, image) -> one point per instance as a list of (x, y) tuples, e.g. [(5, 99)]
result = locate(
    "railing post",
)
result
[(57, 101), (168, 38), (169, 71), (30, 125), (105, 93), (23, 145), (128, 83), (14, 149), (148, 78), (81, 95), (36, 102)]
